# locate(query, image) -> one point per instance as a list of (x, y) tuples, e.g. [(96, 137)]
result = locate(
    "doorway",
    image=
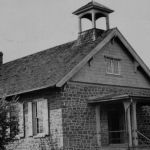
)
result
[(116, 124)]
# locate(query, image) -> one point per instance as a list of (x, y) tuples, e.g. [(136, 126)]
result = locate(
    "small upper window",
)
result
[(113, 66)]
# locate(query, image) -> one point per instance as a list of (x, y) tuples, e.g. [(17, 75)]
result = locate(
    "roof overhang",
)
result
[(93, 7), (117, 98), (27, 91)]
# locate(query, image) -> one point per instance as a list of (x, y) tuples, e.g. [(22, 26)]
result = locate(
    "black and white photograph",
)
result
[(74, 75)]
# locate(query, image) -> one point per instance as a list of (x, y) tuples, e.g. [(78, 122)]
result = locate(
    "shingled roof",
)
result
[(55, 66), (45, 68)]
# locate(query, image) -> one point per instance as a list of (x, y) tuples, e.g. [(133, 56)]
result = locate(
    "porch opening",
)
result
[(124, 120), (117, 124)]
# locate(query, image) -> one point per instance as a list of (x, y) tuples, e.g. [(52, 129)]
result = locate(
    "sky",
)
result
[(29, 26)]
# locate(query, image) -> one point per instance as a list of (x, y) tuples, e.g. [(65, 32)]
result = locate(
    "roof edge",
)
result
[(31, 90), (40, 51), (133, 52), (123, 97)]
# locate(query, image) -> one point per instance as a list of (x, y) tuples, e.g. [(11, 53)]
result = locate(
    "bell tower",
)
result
[(93, 11)]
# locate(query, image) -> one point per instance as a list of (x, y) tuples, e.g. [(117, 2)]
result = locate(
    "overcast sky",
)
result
[(29, 26)]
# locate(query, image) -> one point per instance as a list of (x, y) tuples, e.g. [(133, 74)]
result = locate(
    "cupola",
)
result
[(93, 11)]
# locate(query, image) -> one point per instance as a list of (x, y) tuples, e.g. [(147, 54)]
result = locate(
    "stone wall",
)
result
[(143, 121), (79, 120), (72, 121), (56, 129), (52, 141)]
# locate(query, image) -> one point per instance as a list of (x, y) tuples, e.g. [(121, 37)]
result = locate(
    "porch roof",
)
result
[(115, 98)]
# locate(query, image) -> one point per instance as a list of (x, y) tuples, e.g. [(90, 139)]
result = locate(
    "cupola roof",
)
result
[(93, 5)]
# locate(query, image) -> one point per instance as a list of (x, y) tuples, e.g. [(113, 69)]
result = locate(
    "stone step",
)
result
[(124, 147)]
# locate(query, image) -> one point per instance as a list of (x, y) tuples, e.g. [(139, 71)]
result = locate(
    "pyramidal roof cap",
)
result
[(93, 5)]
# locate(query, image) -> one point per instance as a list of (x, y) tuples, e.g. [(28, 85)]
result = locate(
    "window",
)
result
[(33, 118), (112, 66), (39, 117), (37, 109)]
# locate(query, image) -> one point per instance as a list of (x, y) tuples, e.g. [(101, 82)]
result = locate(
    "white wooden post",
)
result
[(107, 22), (80, 25), (134, 124), (127, 111), (93, 20)]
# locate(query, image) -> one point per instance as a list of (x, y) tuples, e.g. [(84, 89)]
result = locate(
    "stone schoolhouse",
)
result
[(89, 94)]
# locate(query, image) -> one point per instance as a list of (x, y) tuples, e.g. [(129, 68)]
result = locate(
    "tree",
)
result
[(8, 122)]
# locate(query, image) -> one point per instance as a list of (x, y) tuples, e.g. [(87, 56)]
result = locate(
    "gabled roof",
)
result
[(93, 5), (46, 68), (114, 33), (55, 66)]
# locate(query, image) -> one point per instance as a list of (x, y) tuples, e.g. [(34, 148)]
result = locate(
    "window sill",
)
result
[(40, 135), (112, 56), (115, 75), (17, 137)]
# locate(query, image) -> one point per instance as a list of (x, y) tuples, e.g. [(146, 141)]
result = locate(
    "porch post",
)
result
[(134, 124), (80, 25), (107, 22), (93, 20), (128, 119), (98, 125)]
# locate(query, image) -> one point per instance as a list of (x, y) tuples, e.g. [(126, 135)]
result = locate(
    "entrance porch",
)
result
[(121, 123)]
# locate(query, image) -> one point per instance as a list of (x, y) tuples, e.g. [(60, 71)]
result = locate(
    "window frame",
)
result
[(35, 124), (112, 65), (32, 117), (36, 118)]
